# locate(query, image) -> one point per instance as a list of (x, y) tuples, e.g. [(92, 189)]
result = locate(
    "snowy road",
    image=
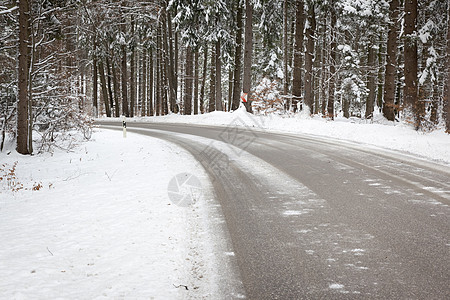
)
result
[(316, 218)]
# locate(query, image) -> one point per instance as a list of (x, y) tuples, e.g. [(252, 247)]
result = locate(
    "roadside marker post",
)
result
[(244, 97), (124, 125)]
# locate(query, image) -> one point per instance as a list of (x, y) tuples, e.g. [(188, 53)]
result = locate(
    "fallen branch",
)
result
[(181, 285)]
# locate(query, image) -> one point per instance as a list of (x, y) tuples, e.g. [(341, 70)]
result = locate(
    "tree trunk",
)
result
[(165, 87), (318, 75), (95, 84), (237, 60), (381, 50), (331, 87), (218, 64), (285, 48), (158, 78), (133, 73), (446, 100), (125, 110), (31, 61), (165, 57), (182, 73), (309, 56), (110, 91), (212, 82), (101, 70), (346, 104), (398, 87), (165, 82), (434, 118), (205, 69), (324, 78), (411, 108), (371, 84), (172, 65), (291, 42), (167, 61), (196, 71), (298, 49), (143, 83), (230, 88), (22, 104), (175, 68), (248, 53), (188, 81), (150, 83), (116, 89), (424, 91)]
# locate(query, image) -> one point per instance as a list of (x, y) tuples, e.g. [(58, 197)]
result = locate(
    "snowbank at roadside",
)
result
[(382, 133), (100, 224)]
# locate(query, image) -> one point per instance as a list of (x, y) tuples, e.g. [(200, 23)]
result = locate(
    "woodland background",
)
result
[(66, 62)]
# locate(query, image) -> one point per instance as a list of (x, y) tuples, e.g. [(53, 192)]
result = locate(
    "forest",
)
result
[(67, 62)]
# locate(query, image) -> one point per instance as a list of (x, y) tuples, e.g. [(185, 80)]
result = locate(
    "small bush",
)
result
[(11, 182), (267, 98)]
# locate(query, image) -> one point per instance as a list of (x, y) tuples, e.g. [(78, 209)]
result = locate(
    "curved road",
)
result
[(315, 218)]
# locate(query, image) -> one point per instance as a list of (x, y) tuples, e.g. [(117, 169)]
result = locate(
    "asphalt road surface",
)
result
[(316, 218)]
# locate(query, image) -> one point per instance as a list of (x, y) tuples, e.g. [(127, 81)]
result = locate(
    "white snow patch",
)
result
[(336, 286), (8, 11), (331, 259), (295, 212), (356, 267), (358, 250)]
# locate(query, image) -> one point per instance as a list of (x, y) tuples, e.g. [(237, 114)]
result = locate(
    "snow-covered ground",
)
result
[(102, 224), (379, 132)]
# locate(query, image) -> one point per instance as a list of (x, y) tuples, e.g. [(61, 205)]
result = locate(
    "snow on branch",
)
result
[(7, 11)]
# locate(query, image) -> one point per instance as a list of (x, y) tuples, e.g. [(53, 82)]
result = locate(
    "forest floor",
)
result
[(98, 221)]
